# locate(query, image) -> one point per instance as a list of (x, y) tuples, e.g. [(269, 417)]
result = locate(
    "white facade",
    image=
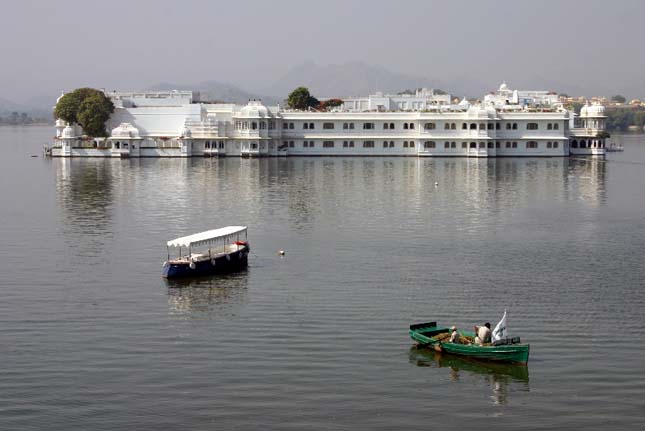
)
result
[(176, 124)]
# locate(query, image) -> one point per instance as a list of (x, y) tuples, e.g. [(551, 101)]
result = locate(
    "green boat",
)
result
[(508, 350)]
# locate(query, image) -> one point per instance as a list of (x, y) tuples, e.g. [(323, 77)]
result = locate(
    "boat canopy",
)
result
[(208, 237)]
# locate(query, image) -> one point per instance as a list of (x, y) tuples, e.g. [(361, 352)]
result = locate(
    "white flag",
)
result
[(499, 332)]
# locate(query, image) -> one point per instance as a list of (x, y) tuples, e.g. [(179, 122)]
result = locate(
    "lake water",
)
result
[(92, 338)]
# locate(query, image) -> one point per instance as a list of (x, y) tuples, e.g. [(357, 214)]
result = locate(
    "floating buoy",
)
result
[(192, 265), (281, 252), (34, 155)]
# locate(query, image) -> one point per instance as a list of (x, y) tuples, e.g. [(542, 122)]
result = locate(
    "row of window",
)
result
[(213, 144), (592, 143), (406, 126), (254, 125), (433, 144)]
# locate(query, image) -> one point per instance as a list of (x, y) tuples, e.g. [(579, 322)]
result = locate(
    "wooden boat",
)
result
[(222, 251), (508, 350)]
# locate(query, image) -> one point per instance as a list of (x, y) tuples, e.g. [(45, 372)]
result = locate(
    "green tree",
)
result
[(300, 98), (618, 98), (88, 107)]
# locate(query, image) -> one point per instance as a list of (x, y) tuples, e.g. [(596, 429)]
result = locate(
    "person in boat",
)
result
[(483, 334), (454, 335)]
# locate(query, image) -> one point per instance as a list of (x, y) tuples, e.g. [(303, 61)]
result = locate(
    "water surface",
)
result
[(93, 338)]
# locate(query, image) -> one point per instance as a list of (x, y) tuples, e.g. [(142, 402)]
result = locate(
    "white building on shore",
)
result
[(177, 124)]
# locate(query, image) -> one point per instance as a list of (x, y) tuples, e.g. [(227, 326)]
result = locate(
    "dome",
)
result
[(584, 110), (185, 132), (503, 87), (60, 122), (596, 110), (125, 130), (254, 109), (68, 132)]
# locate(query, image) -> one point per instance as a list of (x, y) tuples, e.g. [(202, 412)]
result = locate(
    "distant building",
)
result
[(422, 100)]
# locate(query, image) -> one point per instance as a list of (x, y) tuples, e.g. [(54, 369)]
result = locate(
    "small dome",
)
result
[(596, 110), (185, 132), (125, 130), (68, 132), (60, 122), (254, 109), (503, 87)]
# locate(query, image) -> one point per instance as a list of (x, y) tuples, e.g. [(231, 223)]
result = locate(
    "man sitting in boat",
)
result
[(482, 334), (454, 335)]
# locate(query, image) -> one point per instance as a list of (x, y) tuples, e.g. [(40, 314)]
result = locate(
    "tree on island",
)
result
[(87, 107), (300, 98), (618, 98)]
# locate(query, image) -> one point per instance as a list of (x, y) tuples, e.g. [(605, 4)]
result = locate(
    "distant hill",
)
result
[(348, 79), (36, 108), (217, 91)]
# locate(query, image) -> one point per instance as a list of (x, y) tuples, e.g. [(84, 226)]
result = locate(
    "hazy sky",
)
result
[(589, 46)]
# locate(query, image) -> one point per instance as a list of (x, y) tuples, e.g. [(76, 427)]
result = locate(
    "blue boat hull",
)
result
[(232, 262)]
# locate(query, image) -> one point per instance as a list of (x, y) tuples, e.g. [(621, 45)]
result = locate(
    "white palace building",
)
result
[(177, 124)]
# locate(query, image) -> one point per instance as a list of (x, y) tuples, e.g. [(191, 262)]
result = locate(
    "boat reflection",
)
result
[(502, 378), (207, 297)]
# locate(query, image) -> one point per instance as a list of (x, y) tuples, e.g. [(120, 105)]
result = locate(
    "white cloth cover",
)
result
[(500, 332)]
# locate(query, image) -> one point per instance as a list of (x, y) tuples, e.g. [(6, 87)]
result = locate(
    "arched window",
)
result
[(453, 126), (490, 126), (391, 144), (446, 126), (254, 125), (549, 126), (514, 126), (405, 126), (574, 144), (508, 126), (583, 144), (305, 126), (446, 144), (384, 144), (345, 126), (464, 126), (428, 144), (385, 126), (473, 126), (531, 126), (411, 125), (391, 126), (497, 126), (482, 126), (311, 126), (556, 126), (473, 145), (482, 145), (531, 144), (427, 126)]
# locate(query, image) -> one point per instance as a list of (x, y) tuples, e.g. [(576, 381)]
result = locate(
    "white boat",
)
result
[(216, 251)]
